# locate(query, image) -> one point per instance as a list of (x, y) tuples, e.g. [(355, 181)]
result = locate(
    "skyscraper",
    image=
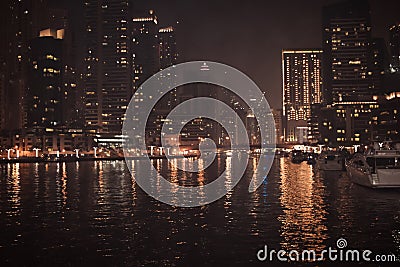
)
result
[(302, 87), (72, 92), (108, 64), (395, 47), (379, 64), (146, 47), (147, 62), (348, 66), (25, 19), (44, 87), (346, 46), (28, 18), (168, 49)]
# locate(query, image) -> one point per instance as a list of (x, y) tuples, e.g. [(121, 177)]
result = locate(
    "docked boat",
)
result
[(375, 169), (298, 156), (330, 161), (312, 158)]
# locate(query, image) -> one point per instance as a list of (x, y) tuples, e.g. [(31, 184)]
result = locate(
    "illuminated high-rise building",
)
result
[(72, 89), (302, 87), (379, 64), (154, 49), (108, 64), (145, 46), (24, 19), (44, 87), (168, 49), (395, 47), (351, 77), (346, 46), (27, 19)]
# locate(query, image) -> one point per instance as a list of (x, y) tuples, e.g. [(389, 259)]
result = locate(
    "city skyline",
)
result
[(63, 75), (257, 28), (262, 62), (199, 133)]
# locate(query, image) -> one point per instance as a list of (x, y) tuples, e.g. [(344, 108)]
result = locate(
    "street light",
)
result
[(95, 152), (36, 152), (9, 153), (356, 147), (152, 150), (320, 148), (77, 153)]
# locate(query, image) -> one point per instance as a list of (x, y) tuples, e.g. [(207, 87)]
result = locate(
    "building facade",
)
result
[(23, 22), (395, 47), (145, 46), (379, 64), (346, 46), (108, 64), (386, 120), (168, 49), (44, 87), (353, 67), (277, 113), (302, 87)]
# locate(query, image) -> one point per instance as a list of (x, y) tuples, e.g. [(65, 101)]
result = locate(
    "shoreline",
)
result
[(74, 159)]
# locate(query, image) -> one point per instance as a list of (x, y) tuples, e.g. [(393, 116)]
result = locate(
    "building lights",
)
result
[(302, 83), (166, 30), (143, 19), (393, 95)]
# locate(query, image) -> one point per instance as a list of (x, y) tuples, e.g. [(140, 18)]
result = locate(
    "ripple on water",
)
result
[(94, 213)]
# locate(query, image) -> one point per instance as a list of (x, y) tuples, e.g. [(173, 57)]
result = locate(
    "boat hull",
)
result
[(385, 178), (388, 178), (359, 177)]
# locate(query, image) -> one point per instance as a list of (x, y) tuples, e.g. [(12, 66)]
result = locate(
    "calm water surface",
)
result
[(93, 213)]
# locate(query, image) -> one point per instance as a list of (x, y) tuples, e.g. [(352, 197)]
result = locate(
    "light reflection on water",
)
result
[(302, 199), (15, 188), (94, 213)]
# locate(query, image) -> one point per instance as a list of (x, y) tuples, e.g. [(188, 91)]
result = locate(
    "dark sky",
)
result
[(249, 35)]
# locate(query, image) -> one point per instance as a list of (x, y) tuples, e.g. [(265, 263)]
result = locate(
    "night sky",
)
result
[(249, 35)]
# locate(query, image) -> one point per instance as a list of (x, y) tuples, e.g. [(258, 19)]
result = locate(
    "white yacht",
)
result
[(330, 161), (376, 168)]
